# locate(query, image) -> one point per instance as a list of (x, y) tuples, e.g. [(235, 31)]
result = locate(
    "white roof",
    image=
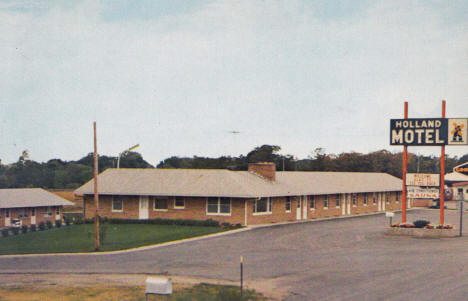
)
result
[(456, 177), (241, 184), (29, 197)]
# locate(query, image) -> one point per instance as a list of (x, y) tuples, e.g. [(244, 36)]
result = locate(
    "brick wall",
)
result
[(26, 220), (196, 208)]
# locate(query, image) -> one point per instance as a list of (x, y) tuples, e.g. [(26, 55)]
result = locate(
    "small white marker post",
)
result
[(390, 215)]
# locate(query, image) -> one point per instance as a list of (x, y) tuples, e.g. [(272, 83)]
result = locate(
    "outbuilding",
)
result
[(30, 206), (258, 196)]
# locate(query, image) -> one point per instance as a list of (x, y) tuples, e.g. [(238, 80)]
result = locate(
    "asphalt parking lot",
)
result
[(343, 259)]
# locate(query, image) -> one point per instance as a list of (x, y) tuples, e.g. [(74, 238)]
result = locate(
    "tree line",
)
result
[(60, 174)]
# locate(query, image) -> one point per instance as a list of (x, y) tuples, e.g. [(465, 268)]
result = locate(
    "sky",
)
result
[(182, 77)]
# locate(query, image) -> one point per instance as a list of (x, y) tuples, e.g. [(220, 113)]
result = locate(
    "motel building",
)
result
[(260, 195), (29, 206), (458, 184)]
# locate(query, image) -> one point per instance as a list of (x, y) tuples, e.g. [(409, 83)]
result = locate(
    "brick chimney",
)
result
[(265, 170)]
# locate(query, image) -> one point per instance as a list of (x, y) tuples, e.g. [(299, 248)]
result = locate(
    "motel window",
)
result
[(33, 211), (263, 205), (374, 198), (312, 202), (218, 206), (7, 213), (160, 204), (337, 201), (387, 197), (57, 210), (365, 199), (22, 212), (179, 202), (48, 212), (117, 205), (288, 204), (354, 197), (325, 202)]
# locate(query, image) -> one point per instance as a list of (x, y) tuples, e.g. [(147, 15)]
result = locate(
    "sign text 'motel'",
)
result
[(430, 131)]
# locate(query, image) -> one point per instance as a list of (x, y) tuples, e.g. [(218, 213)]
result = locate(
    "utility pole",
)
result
[(96, 196), (405, 163), (442, 176)]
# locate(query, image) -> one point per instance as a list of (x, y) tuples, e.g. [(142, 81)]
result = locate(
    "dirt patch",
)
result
[(129, 283)]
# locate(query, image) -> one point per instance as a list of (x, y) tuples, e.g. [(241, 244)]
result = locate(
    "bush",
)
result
[(5, 232), (225, 225), (67, 221), (42, 226), (33, 228), (24, 229), (421, 223), (15, 231), (49, 224), (58, 223)]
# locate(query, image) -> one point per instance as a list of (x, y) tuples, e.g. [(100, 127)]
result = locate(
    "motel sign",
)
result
[(429, 131), (419, 131)]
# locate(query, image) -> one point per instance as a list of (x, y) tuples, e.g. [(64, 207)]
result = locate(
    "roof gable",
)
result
[(29, 197)]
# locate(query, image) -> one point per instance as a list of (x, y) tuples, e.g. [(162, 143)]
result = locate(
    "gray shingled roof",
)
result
[(242, 184), (29, 197)]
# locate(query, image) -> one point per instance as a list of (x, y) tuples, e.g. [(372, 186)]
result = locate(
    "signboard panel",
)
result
[(421, 131), (422, 193), (422, 179), (462, 168), (458, 131)]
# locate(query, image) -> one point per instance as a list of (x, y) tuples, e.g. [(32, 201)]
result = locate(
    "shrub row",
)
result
[(162, 221), (158, 221), (422, 224), (33, 228)]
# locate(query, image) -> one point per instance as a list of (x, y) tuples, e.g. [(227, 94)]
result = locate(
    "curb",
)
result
[(180, 241), (324, 219), (143, 248)]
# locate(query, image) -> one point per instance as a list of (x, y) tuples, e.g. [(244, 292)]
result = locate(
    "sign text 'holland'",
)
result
[(427, 131)]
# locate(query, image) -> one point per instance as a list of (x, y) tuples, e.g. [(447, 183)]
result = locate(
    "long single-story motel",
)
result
[(258, 196), (30, 206)]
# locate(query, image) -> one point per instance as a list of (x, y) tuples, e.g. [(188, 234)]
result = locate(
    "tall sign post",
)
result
[(405, 163), (427, 132), (96, 196), (442, 174)]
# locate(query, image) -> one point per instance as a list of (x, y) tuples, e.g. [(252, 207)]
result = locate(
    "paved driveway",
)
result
[(345, 259)]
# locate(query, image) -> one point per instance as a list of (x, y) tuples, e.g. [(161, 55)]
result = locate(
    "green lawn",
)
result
[(80, 238)]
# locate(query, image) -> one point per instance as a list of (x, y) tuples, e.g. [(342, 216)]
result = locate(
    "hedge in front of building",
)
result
[(162, 221)]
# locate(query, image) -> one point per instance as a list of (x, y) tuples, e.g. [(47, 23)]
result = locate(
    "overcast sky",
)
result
[(179, 76)]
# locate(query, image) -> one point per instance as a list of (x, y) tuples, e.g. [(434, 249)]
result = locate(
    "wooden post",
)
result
[(241, 276), (442, 175), (96, 196), (405, 163)]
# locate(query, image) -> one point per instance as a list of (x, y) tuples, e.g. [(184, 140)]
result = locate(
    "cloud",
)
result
[(282, 73)]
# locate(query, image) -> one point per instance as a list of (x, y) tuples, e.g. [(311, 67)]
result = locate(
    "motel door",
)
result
[(299, 207), (33, 216), (348, 204), (143, 214), (7, 217), (304, 207), (379, 202), (382, 199), (343, 204)]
